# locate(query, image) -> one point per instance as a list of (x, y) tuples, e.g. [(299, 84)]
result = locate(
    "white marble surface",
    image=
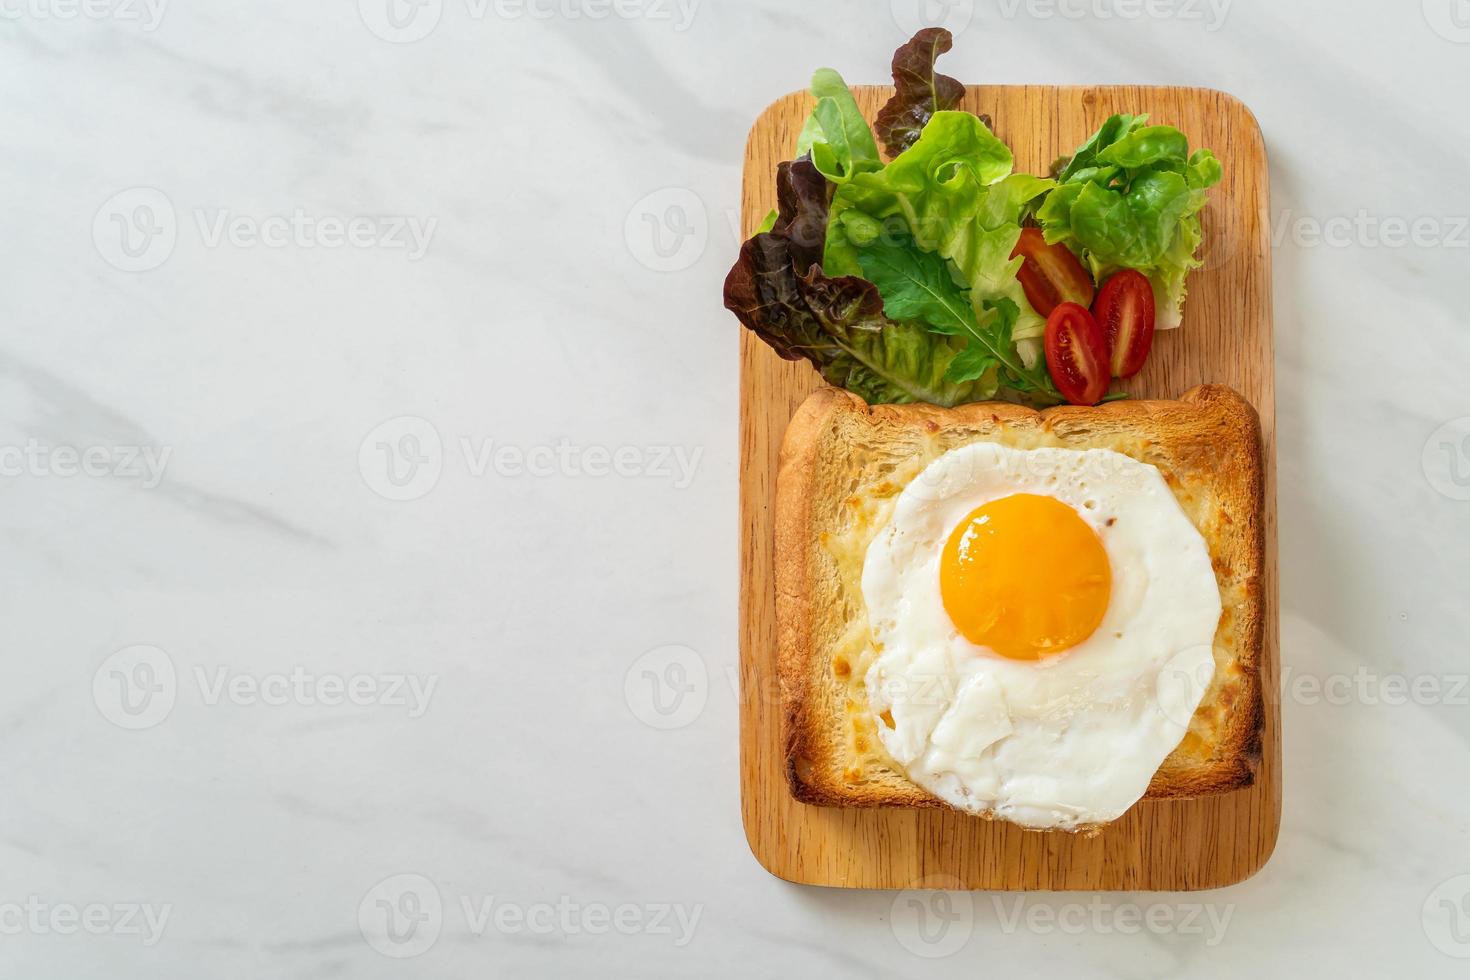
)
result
[(535, 329)]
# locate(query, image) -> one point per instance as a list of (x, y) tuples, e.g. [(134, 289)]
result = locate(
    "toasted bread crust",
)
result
[(1208, 446)]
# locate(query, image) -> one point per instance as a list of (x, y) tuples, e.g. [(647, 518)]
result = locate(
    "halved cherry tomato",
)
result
[(1050, 274), (1076, 354), (1125, 312)]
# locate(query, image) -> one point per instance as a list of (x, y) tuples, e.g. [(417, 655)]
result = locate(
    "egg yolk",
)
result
[(1025, 576)]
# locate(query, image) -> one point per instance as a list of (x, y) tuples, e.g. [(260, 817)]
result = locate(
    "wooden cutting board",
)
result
[(1226, 338)]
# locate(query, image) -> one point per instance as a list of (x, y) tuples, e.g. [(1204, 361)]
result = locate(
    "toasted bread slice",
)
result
[(843, 464)]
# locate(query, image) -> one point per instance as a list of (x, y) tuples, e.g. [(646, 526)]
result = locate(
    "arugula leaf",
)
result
[(920, 91), (1129, 198), (917, 285), (995, 343), (836, 135)]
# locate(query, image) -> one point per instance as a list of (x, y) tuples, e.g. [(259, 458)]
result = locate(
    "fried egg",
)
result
[(1044, 622)]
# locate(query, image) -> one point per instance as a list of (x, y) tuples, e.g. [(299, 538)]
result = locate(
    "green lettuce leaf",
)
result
[(1129, 198), (932, 190), (836, 136)]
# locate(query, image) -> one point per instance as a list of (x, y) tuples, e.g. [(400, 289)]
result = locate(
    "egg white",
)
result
[(1068, 741)]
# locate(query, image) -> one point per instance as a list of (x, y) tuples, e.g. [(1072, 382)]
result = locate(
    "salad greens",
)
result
[(898, 281), (778, 290), (1129, 199), (921, 91), (836, 135)]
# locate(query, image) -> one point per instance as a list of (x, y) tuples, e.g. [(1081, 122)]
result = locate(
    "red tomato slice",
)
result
[(1076, 354), (1125, 312), (1050, 274)]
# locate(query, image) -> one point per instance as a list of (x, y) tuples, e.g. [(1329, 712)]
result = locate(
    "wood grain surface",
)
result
[(1226, 338)]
